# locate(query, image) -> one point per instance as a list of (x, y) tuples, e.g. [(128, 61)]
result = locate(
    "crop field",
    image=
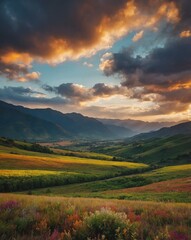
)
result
[(83, 154), (79, 154), (60, 162), (114, 187), (57, 218), (20, 171)]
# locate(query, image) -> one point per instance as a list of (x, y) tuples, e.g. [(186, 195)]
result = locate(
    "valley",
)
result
[(70, 187)]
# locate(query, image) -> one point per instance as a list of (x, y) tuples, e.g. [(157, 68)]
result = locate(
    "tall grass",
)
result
[(26, 217)]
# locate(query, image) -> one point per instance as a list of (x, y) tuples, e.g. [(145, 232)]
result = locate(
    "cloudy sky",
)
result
[(104, 58)]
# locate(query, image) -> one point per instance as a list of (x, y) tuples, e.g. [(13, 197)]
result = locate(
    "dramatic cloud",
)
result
[(173, 58), (54, 31), (77, 94), (163, 75), (154, 71)]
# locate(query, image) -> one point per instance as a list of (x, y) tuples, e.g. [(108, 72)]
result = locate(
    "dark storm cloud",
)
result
[(164, 74), (26, 24), (54, 31), (184, 7), (173, 58), (165, 71)]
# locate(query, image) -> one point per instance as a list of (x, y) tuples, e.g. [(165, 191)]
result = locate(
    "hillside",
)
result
[(31, 169), (19, 125), (161, 151), (126, 187), (76, 124), (28, 167), (42, 171), (182, 128), (121, 132), (49, 125)]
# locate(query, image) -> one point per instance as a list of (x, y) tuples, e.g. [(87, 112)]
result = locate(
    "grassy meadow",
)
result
[(56, 194), (107, 188), (159, 151), (58, 218)]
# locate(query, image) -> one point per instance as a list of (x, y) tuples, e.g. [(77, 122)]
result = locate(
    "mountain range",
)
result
[(23, 123), (137, 126), (49, 125)]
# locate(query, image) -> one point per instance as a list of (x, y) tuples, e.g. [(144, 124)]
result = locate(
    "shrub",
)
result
[(107, 225)]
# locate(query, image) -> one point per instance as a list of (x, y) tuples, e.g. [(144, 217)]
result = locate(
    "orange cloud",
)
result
[(138, 36), (16, 57), (166, 10), (185, 34), (87, 32), (28, 77)]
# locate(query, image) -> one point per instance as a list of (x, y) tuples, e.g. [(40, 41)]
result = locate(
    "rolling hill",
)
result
[(160, 151), (182, 128), (19, 125)]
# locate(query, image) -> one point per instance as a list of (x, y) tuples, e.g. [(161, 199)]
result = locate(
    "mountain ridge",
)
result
[(47, 124), (66, 126), (137, 126), (178, 129)]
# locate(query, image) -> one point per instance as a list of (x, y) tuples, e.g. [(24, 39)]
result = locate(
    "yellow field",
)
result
[(36, 170), (12, 161)]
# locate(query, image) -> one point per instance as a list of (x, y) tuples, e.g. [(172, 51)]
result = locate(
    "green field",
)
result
[(64, 173), (162, 151), (26, 170), (71, 195), (100, 188)]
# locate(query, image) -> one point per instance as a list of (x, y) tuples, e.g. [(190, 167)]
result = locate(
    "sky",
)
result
[(124, 59)]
